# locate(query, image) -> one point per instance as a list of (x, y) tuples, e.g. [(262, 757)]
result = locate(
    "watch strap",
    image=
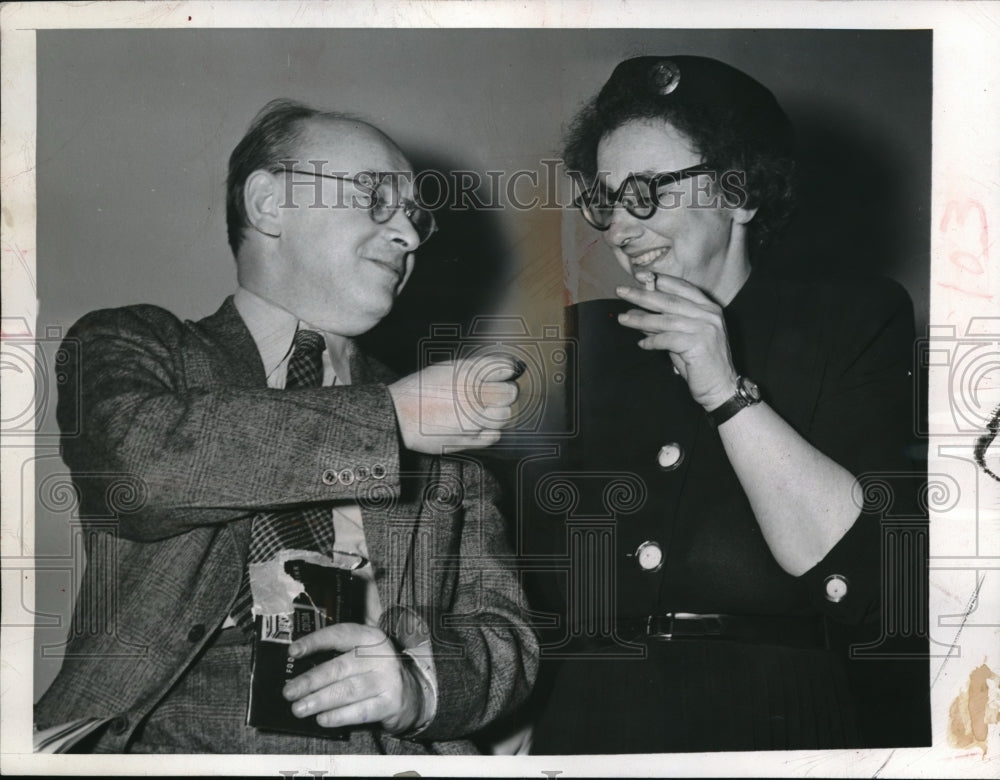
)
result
[(722, 413), (738, 401)]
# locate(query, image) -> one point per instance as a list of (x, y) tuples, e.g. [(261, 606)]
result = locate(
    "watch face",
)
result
[(750, 389), (649, 556)]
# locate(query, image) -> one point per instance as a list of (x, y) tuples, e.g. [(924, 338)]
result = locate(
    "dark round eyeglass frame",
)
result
[(600, 201), (379, 210)]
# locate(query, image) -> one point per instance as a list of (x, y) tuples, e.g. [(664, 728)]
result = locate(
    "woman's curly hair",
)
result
[(734, 126)]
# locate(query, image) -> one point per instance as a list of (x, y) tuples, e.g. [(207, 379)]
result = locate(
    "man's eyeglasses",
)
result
[(383, 199), (639, 195)]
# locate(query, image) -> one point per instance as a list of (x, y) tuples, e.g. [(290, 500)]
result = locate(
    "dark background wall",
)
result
[(134, 129)]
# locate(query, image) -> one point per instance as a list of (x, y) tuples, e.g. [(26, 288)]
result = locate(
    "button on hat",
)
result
[(649, 85)]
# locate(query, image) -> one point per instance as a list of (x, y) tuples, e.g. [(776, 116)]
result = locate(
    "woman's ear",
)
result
[(736, 198), (260, 199), (743, 216)]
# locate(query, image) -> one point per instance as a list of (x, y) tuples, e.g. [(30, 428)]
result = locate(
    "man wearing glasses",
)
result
[(266, 415)]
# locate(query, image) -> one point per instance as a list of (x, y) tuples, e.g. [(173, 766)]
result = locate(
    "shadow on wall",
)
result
[(458, 275), (861, 211)]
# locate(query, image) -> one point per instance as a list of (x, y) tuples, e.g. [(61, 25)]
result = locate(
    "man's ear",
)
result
[(261, 195)]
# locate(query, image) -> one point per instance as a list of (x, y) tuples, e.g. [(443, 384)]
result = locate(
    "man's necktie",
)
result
[(306, 528)]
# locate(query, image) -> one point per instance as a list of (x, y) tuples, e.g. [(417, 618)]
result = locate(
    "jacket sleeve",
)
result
[(485, 652), (150, 401), (863, 420)]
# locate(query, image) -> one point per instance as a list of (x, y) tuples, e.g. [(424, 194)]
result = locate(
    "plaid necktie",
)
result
[(307, 528)]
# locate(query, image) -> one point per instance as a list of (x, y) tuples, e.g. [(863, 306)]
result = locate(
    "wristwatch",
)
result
[(747, 394)]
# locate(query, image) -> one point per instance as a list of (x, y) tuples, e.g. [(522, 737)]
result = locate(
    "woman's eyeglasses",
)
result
[(639, 195), (383, 199)]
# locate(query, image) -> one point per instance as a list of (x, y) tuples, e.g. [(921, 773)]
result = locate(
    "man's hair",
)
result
[(733, 122), (272, 136)]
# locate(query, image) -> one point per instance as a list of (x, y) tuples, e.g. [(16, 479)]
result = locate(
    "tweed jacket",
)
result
[(181, 443)]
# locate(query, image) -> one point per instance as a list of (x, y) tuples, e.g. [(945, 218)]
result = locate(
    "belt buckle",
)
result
[(654, 630), (709, 625), (680, 625)]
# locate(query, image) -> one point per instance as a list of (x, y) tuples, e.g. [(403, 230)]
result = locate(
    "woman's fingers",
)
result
[(665, 283), (648, 322), (655, 300)]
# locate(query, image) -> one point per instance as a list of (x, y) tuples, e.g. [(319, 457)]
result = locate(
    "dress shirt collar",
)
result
[(273, 330)]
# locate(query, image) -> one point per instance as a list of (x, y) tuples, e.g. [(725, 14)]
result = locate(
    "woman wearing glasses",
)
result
[(747, 406)]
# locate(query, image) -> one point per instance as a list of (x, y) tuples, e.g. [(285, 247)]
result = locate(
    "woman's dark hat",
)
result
[(745, 105)]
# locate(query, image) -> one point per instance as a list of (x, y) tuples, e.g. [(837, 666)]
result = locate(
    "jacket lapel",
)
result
[(237, 352), (393, 533), (236, 346)]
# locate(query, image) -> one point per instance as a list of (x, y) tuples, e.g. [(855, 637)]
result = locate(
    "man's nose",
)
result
[(401, 232)]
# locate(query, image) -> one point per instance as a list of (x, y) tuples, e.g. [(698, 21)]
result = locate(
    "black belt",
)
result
[(763, 629)]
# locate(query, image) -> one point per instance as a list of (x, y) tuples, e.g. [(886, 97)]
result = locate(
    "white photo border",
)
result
[(965, 185)]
